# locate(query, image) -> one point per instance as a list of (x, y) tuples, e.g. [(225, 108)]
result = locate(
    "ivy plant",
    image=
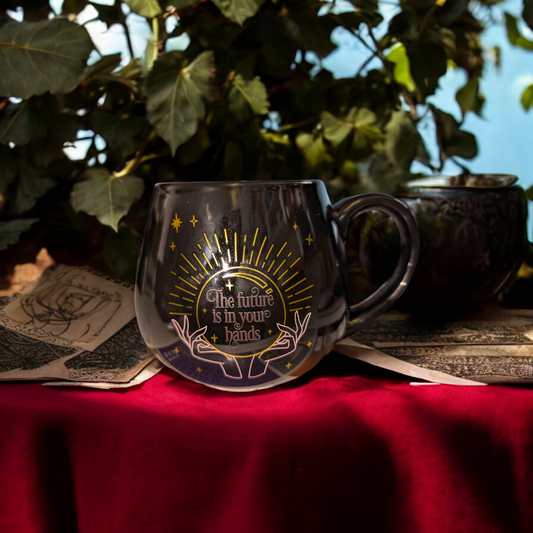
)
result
[(247, 98)]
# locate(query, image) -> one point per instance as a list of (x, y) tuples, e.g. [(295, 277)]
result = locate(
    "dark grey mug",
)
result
[(243, 286)]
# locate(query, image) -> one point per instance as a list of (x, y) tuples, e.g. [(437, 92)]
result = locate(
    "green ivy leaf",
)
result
[(30, 187), (402, 69), (18, 124), (402, 140), (176, 95), (527, 98), (359, 121), (514, 36), (428, 63), (238, 10), (248, 95), (36, 57), (452, 140), (106, 197), (74, 7), (468, 97), (123, 134), (145, 8), (11, 230)]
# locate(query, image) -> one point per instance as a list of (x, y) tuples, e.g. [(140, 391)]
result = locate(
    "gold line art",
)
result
[(195, 280), (295, 262), (281, 250), (298, 283), (173, 246), (297, 309), (218, 245), (243, 254), (309, 240), (300, 292), (251, 257), (283, 274), (229, 256), (235, 242), (210, 265), (287, 280), (255, 236), (271, 265), (176, 295), (187, 314), (190, 284), (179, 305), (172, 272), (182, 289), (188, 299), (194, 221), (186, 271), (260, 250), (190, 264), (226, 235), (199, 247), (281, 264), (266, 258), (213, 256), (201, 277), (289, 254), (245, 238), (298, 301), (200, 263), (250, 277), (207, 241)]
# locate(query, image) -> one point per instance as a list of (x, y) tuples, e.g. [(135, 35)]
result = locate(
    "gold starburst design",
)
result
[(176, 223)]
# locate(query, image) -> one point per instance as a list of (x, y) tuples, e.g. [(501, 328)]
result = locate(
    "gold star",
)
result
[(176, 223), (270, 332), (214, 338), (288, 365), (295, 226), (173, 246), (309, 240), (198, 369), (309, 344), (204, 310), (229, 285), (193, 221), (176, 350)]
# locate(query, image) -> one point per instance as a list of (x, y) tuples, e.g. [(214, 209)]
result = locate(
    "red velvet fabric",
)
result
[(333, 451)]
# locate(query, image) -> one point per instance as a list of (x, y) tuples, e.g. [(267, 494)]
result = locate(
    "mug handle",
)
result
[(344, 212)]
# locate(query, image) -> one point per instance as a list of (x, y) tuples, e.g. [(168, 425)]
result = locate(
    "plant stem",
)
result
[(139, 158)]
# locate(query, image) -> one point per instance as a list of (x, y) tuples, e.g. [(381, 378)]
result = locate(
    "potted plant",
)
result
[(246, 98)]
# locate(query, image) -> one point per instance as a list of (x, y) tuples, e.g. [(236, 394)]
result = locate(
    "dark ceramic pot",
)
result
[(473, 236)]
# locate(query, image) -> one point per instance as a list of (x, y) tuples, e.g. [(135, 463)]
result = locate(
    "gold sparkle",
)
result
[(214, 338), (173, 246), (288, 365), (204, 310), (309, 240), (193, 221), (198, 369), (270, 332), (176, 223), (229, 285), (176, 350), (309, 344), (295, 226)]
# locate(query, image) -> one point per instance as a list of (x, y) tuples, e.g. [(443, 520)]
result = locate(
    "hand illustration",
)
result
[(202, 350), (288, 341)]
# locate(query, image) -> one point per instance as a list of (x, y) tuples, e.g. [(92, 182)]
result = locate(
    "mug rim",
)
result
[(241, 182), (445, 182)]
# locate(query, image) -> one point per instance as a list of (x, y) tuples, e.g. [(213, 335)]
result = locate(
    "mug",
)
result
[(244, 285), (473, 236)]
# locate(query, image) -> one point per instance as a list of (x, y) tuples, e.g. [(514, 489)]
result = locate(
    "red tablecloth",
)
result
[(334, 451)]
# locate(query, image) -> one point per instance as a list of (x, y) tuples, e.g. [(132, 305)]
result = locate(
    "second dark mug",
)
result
[(242, 286)]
